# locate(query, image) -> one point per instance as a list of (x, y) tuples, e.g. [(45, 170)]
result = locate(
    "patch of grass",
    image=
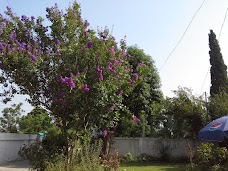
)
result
[(151, 167)]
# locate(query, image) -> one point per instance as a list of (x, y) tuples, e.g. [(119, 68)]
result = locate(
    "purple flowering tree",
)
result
[(75, 73)]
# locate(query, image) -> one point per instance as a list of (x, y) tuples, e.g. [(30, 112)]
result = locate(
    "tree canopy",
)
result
[(10, 118), (77, 74), (143, 100), (36, 121), (219, 80), (182, 116)]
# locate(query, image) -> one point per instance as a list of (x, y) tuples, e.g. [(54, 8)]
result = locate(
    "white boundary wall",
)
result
[(10, 145), (176, 148)]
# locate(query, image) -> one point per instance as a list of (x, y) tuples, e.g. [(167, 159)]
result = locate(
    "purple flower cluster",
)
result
[(9, 9), (135, 119), (105, 33), (105, 133), (53, 12), (58, 42), (121, 92), (86, 32), (100, 73), (132, 82), (112, 50), (23, 18), (78, 74), (12, 36), (48, 51), (1, 47), (122, 42), (111, 66), (117, 77), (68, 81), (6, 20), (124, 53), (33, 57), (15, 45), (58, 52), (86, 23), (85, 88), (90, 44), (135, 76)]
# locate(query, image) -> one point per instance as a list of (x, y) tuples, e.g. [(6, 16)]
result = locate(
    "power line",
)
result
[(223, 23), (205, 80), (182, 35)]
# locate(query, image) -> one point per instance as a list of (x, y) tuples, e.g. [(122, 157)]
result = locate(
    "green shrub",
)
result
[(128, 157), (85, 157), (88, 156), (49, 155), (210, 158), (38, 156)]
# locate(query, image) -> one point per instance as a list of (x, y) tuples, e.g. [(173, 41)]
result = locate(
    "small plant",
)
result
[(128, 157), (87, 157), (192, 167), (111, 161), (144, 158)]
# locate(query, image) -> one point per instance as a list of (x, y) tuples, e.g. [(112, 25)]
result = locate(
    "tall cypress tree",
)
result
[(219, 80)]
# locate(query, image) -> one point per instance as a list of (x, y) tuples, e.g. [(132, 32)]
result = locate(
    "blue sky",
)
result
[(156, 27)]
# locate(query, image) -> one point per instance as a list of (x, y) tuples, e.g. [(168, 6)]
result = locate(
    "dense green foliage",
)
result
[(211, 158), (50, 158), (143, 101), (182, 116), (36, 121), (219, 80), (218, 106), (10, 118)]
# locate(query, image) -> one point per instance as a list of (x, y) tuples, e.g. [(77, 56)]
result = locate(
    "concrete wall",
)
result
[(154, 147), (11, 143)]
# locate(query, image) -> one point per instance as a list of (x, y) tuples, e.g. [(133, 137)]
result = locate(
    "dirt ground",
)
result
[(15, 166)]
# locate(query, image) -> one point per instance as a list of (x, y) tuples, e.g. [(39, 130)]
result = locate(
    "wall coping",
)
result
[(16, 137)]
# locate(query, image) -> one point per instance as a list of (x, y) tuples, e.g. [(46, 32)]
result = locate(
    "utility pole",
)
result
[(207, 117)]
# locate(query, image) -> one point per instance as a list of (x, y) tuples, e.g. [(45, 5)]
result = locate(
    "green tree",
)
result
[(10, 118), (36, 121), (219, 80), (183, 115), (66, 67), (143, 101), (218, 106)]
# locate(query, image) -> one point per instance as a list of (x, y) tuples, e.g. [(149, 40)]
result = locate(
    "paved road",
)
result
[(15, 166)]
